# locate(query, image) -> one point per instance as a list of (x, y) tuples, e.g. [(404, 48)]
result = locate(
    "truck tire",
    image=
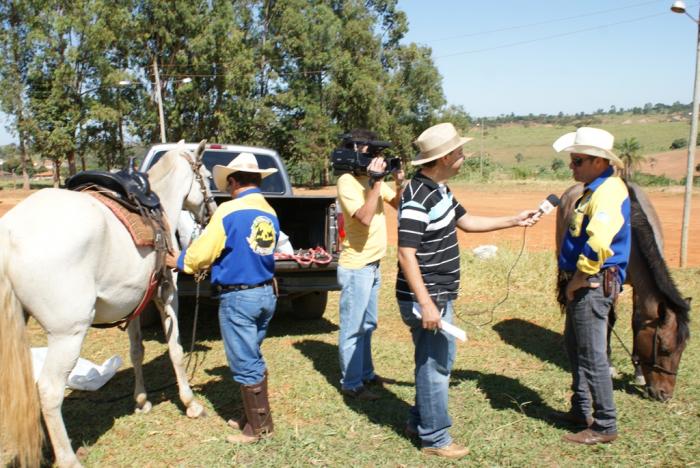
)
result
[(310, 306)]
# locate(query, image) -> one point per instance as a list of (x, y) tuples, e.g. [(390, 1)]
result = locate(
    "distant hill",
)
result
[(502, 142)]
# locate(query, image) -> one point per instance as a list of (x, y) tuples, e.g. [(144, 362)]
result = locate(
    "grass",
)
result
[(534, 142), (510, 373)]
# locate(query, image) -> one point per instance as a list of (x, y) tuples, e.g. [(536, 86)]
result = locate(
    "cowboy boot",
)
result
[(240, 423), (257, 414)]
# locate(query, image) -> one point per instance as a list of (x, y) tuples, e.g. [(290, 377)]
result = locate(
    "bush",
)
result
[(649, 180), (679, 143)]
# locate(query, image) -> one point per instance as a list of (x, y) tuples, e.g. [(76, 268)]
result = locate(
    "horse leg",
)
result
[(136, 351), (63, 353), (167, 305)]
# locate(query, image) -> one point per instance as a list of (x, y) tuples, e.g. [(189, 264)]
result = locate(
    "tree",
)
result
[(16, 50), (557, 164), (629, 150)]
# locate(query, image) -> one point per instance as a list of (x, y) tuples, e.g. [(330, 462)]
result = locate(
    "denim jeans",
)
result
[(434, 355), (358, 319), (585, 334), (244, 317)]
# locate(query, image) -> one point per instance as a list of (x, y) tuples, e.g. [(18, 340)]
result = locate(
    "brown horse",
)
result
[(660, 314)]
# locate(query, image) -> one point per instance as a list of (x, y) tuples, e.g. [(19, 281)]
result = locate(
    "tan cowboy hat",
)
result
[(590, 141), (436, 142), (244, 162)]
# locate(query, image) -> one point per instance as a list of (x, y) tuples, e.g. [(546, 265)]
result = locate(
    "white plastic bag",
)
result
[(483, 252), (283, 244), (85, 375)]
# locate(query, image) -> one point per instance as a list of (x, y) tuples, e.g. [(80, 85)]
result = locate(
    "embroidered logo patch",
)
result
[(262, 236)]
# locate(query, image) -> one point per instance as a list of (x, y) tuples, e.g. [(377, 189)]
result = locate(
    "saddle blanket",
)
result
[(141, 232)]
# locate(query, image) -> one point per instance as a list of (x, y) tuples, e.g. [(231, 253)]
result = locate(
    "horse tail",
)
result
[(21, 435), (643, 236)]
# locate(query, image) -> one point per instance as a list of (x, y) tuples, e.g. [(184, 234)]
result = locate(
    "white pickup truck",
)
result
[(308, 221)]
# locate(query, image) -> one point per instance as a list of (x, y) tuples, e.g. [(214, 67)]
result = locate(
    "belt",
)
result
[(374, 264), (222, 288)]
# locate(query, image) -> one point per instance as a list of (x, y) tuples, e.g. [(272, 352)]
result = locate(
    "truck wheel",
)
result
[(310, 306)]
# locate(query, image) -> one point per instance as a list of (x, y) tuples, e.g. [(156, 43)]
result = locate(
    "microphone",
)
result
[(548, 204)]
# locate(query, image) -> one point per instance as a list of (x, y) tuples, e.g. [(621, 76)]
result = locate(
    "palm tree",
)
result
[(630, 151)]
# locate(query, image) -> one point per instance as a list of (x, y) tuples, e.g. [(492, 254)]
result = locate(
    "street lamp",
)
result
[(679, 7)]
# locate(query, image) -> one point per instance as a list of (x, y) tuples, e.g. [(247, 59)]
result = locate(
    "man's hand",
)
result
[(528, 218), (376, 165), (578, 281), (430, 316), (171, 260)]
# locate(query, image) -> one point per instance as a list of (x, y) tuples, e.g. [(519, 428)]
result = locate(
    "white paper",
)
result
[(86, 375), (446, 326)]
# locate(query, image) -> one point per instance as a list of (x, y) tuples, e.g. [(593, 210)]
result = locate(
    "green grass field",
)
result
[(506, 378), (534, 142)]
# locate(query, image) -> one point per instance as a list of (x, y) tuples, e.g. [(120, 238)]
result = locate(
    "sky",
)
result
[(551, 56)]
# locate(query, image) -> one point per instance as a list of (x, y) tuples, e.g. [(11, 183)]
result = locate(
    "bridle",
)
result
[(655, 350), (208, 207)]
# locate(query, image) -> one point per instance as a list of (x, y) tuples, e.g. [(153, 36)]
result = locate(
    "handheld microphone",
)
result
[(548, 204)]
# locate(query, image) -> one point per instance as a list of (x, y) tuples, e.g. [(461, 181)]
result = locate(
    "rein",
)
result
[(637, 362)]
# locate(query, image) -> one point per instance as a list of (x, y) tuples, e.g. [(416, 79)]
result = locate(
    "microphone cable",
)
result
[(492, 310)]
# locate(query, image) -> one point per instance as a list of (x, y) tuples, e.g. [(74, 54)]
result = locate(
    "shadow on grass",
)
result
[(389, 410), (544, 344), (89, 415), (506, 393)]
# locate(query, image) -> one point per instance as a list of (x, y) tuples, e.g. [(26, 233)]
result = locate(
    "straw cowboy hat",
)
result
[(244, 162), (590, 141), (436, 142)]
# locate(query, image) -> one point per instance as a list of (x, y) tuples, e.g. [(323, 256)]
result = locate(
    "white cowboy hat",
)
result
[(244, 162), (436, 142), (590, 141)]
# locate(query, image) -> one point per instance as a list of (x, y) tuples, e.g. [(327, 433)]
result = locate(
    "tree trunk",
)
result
[(72, 169), (24, 159), (56, 173)]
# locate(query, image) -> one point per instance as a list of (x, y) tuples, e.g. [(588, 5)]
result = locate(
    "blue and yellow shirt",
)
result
[(599, 233), (238, 244)]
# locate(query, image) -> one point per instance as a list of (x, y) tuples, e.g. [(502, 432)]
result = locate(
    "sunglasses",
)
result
[(578, 162)]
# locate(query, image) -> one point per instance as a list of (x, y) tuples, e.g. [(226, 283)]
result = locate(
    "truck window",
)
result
[(270, 184)]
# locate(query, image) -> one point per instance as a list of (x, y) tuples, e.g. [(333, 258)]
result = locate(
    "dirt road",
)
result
[(503, 201)]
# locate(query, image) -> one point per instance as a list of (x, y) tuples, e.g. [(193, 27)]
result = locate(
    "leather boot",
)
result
[(258, 417), (240, 423)]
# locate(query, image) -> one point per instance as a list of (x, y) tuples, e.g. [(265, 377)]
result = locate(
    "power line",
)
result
[(539, 23), (553, 36)]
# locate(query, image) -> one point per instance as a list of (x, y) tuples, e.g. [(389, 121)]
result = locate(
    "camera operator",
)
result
[(361, 199)]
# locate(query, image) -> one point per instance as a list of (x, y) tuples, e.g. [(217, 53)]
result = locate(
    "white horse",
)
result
[(67, 261)]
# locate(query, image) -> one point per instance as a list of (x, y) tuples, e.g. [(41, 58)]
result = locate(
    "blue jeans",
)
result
[(358, 319), (434, 356), (586, 337), (244, 317)]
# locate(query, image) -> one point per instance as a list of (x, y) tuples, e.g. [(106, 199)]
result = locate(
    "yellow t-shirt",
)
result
[(362, 244)]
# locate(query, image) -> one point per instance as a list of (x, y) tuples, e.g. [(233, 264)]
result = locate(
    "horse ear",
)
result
[(200, 150)]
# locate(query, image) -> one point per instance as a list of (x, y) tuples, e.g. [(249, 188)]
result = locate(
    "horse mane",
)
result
[(643, 236)]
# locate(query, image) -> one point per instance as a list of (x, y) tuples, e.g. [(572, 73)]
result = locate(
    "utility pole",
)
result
[(159, 101), (481, 151)]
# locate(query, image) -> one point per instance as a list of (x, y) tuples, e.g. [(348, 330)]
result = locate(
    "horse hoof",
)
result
[(639, 380), (81, 453), (195, 410), (613, 372), (144, 409)]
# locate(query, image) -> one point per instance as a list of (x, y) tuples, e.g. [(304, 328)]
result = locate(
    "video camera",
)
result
[(348, 158)]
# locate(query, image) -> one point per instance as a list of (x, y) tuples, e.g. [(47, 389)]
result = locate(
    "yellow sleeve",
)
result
[(605, 220), (350, 194), (388, 193), (202, 253)]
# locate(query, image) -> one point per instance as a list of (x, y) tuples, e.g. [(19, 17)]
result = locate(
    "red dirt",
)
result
[(499, 202), (672, 164)]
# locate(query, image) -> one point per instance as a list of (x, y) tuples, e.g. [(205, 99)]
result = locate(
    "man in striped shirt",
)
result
[(428, 277)]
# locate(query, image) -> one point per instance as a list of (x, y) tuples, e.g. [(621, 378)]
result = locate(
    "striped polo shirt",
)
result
[(428, 217)]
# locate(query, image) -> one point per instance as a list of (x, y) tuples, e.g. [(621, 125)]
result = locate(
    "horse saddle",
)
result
[(132, 186)]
